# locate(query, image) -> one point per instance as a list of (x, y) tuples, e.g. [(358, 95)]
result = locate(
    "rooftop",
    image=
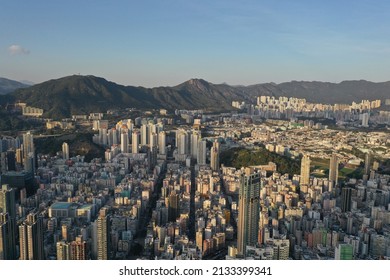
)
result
[(61, 205)]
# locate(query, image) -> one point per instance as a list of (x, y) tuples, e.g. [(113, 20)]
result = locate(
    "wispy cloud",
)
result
[(17, 50)]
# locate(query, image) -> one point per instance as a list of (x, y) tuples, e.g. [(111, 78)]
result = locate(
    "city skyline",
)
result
[(153, 44), (153, 162), (282, 179)]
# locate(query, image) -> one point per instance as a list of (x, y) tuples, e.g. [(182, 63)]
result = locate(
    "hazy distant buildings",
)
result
[(32, 111), (365, 119), (248, 213)]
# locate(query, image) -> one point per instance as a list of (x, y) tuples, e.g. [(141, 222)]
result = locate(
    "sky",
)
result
[(164, 43)]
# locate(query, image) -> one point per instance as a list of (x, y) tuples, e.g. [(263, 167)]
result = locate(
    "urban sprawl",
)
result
[(161, 192)]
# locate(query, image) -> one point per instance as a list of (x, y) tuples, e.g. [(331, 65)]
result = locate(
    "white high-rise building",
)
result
[(152, 128), (145, 134), (114, 136), (159, 127), (195, 136), (182, 142), (65, 151), (365, 119), (153, 140), (135, 142), (214, 156), (124, 142), (162, 143), (103, 136)]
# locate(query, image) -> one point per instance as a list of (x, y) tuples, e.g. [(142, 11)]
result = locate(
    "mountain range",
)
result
[(8, 86), (83, 94)]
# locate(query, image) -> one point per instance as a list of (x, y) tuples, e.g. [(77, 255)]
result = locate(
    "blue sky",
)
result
[(151, 43)]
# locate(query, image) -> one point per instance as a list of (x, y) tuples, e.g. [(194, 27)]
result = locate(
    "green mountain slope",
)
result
[(84, 94)]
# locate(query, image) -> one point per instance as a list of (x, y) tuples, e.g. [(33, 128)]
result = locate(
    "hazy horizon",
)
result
[(153, 44), (31, 83)]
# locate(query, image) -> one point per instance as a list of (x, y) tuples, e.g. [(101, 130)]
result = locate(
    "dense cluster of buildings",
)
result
[(161, 192), (291, 107)]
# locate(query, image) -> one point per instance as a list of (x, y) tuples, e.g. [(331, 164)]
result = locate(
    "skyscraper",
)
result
[(103, 136), (144, 134), (365, 118), (3, 162), (161, 143), (28, 152), (182, 142), (11, 163), (135, 142), (334, 169), (113, 132), (153, 140), (28, 143), (78, 249), (103, 234), (7, 250), (65, 150), (173, 207), (305, 170), (202, 152), (214, 157), (344, 252), (367, 164), (346, 194), (31, 238), (8, 222), (63, 250), (7, 200), (124, 142), (195, 137), (248, 212)]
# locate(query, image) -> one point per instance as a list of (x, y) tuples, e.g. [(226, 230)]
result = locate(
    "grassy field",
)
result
[(319, 163), (351, 173), (320, 168)]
